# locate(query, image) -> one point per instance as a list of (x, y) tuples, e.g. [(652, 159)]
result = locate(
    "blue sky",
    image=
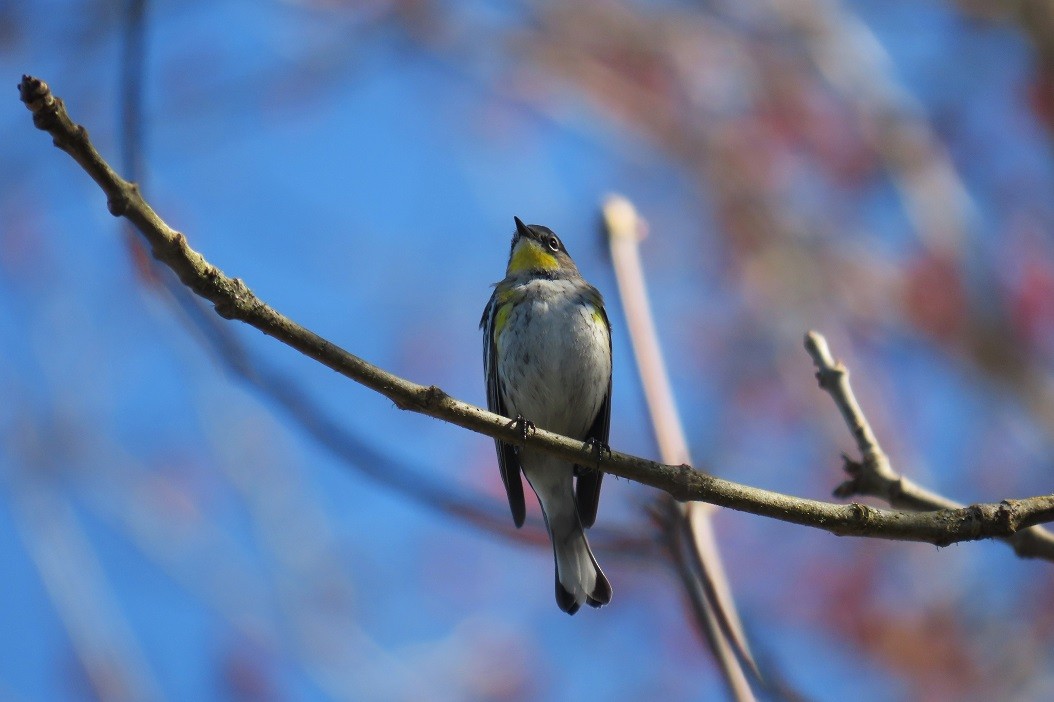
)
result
[(179, 522)]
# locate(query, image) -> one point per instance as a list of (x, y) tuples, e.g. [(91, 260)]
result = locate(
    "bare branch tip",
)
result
[(621, 220), (31, 88), (817, 347), (35, 94)]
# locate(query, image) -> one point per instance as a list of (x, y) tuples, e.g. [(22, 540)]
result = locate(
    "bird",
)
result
[(547, 360)]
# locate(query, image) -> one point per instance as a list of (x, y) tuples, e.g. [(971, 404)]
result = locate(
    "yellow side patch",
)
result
[(508, 295), (501, 318), (530, 256), (597, 317)]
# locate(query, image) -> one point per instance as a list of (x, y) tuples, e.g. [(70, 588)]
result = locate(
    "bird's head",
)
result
[(536, 249)]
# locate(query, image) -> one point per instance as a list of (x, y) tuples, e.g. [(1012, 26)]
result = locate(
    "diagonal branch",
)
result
[(232, 299), (874, 475), (416, 483)]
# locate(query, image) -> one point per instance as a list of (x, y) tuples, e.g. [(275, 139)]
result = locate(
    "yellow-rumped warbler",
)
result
[(547, 356)]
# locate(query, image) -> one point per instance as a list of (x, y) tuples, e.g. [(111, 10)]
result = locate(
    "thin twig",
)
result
[(873, 475), (233, 300)]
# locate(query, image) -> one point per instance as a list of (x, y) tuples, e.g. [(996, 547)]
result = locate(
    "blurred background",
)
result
[(189, 510)]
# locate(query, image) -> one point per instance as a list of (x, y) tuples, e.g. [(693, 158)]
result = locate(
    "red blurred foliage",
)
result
[(1031, 299), (934, 297), (929, 647)]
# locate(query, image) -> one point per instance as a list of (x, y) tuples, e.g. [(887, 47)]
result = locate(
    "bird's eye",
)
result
[(554, 244)]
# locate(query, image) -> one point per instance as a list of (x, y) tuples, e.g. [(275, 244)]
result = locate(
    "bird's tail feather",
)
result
[(578, 575), (579, 579)]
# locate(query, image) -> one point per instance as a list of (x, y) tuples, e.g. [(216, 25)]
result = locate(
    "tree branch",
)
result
[(232, 299), (874, 475)]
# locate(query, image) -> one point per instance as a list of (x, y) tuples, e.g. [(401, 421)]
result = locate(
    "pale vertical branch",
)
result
[(693, 528)]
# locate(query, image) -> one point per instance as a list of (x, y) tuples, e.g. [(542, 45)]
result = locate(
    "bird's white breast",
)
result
[(554, 358)]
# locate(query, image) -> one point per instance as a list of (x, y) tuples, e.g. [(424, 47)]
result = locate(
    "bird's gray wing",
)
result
[(508, 460), (587, 487)]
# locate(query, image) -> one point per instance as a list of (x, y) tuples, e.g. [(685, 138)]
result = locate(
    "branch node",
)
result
[(683, 479), (226, 310), (434, 396), (427, 400), (862, 516), (896, 489), (119, 202), (829, 377), (1008, 517), (239, 289)]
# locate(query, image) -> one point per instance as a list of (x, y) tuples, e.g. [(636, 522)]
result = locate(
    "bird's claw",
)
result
[(525, 426), (598, 448)]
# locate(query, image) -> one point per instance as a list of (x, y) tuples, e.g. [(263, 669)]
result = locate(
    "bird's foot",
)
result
[(525, 426), (598, 448)]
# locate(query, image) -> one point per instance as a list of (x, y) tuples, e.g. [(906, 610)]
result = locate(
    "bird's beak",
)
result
[(521, 228)]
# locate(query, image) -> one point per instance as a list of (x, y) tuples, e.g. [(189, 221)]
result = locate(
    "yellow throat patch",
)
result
[(530, 256)]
